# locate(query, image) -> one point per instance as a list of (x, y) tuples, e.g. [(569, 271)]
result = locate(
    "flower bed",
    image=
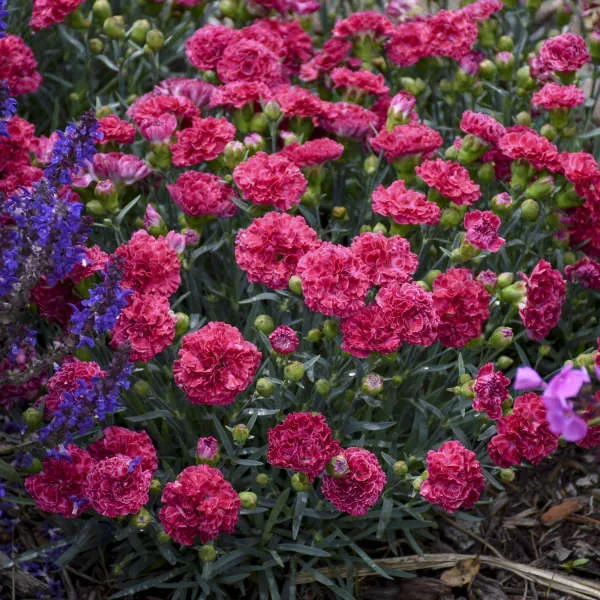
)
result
[(280, 281)]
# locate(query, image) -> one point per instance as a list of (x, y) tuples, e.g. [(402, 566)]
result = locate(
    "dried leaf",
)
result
[(561, 511), (462, 574)]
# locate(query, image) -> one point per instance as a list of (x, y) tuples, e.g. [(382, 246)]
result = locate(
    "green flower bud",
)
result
[(486, 173), (540, 188), (418, 482), (365, 229), (138, 31), (322, 387), (33, 418), (330, 328), (34, 467), (207, 553), (264, 324), (505, 44), (339, 212), (248, 500), (548, 131), (544, 350), (155, 486), (370, 164), (114, 27), (372, 384), (533, 5), (240, 434), (523, 118), (487, 70), (301, 482), (593, 43), (450, 217), (262, 479), (84, 353), (505, 279), (504, 362), (142, 519), (505, 63), (431, 276), (400, 468), (397, 380), (568, 199), (182, 324), (380, 228), (524, 79), (141, 387), (96, 46), (569, 258), (501, 337), (101, 10), (294, 371), (513, 293), (94, 207), (451, 153), (314, 335), (295, 284), (310, 198), (472, 149), (530, 209), (155, 39), (507, 475), (162, 537), (272, 110), (265, 387), (259, 123)]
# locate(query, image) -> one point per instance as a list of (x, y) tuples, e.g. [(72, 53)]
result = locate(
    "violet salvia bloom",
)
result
[(91, 402), (3, 17), (8, 107), (99, 312), (74, 148)]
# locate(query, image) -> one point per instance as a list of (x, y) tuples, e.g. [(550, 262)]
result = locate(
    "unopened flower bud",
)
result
[(322, 387), (502, 337), (548, 131), (507, 475), (530, 209), (568, 199), (301, 482), (513, 293), (153, 222), (207, 451), (502, 203), (487, 70), (370, 164), (330, 328), (141, 387), (248, 500), (264, 324), (380, 228), (114, 27), (33, 418), (272, 110), (504, 362), (106, 192), (471, 149), (142, 519), (314, 335), (96, 46), (162, 537), (259, 123), (155, 486), (505, 63), (544, 350), (155, 39), (505, 279), (486, 173), (182, 324), (295, 284), (207, 553), (372, 384), (540, 188), (450, 217), (35, 466), (339, 212), (338, 466), (294, 371), (400, 468), (240, 434), (138, 31), (418, 482), (593, 43), (254, 142), (101, 10), (265, 387), (234, 154), (262, 479)]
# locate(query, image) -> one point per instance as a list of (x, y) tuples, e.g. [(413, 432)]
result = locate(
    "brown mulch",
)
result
[(548, 517)]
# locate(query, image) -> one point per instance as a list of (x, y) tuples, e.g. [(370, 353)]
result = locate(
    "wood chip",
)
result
[(561, 511), (462, 574)]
